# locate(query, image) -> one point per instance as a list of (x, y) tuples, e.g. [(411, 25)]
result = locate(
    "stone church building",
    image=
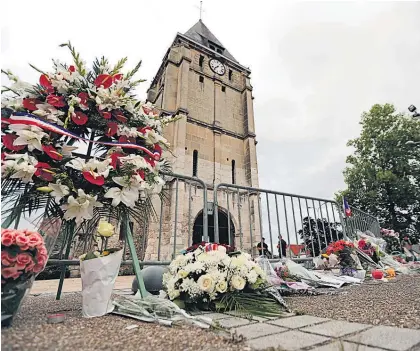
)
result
[(214, 141)]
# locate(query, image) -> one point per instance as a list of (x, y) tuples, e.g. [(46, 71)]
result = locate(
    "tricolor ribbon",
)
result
[(28, 119)]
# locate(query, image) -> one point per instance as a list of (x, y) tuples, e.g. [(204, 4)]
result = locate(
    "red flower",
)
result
[(56, 100), (83, 98), (125, 139), (144, 129), (79, 118), (41, 171), (105, 114), (115, 159), (52, 152), (361, 244), (141, 174), (112, 129), (29, 104), (120, 117), (72, 69), (94, 179), (158, 149), (117, 77), (8, 140), (150, 161), (104, 80), (3, 156), (45, 81)]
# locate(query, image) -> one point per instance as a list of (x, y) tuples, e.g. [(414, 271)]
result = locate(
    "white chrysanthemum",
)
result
[(191, 287), (252, 276)]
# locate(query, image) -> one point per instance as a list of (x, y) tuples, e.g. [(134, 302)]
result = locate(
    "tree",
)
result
[(383, 176), (318, 234)]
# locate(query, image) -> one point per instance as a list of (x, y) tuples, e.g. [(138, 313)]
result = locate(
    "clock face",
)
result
[(217, 67)]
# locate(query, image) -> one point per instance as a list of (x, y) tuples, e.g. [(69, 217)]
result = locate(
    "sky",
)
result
[(316, 66)]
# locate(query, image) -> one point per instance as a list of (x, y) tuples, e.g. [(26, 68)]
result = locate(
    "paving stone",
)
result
[(398, 339), (336, 328), (298, 321), (290, 340), (217, 316), (256, 330), (232, 322), (345, 346)]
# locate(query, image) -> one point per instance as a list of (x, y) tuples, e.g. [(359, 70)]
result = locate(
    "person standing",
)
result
[(282, 246)]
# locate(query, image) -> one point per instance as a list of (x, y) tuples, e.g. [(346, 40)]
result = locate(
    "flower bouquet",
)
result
[(211, 279), (347, 257), (99, 270), (23, 256), (392, 238)]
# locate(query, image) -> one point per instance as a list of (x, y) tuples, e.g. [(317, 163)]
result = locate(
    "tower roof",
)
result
[(202, 35)]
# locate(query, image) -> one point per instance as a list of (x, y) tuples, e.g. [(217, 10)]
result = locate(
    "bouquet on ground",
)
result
[(211, 279), (99, 270), (23, 256), (392, 238), (208, 247), (347, 257)]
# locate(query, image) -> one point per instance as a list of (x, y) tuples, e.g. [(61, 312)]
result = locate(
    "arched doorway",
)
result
[(223, 229)]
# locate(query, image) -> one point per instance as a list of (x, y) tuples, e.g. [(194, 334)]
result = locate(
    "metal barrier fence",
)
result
[(262, 213), (362, 221)]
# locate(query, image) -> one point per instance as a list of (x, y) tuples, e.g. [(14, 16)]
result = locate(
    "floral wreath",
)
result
[(41, 124)]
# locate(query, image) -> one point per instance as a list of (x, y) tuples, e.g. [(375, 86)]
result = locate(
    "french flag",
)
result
[(346, 207)]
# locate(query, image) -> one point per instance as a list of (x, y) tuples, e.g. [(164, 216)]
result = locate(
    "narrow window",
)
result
[(224, 89), (230, 74), (212, 47), (220, 51), (195, 163), (233, 172), (201, 60), (201, 79)]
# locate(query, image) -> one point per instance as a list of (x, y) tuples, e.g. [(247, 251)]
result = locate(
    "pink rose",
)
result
[(10, 272), (22, 241), (42, 251), (41, 259), (35, 240), (23, 259), (8, 238), (38, 268), (7, 259), (30, 267)]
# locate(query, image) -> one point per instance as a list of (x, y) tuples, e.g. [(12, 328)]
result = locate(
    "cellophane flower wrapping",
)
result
[(98, 279), (24, 254)]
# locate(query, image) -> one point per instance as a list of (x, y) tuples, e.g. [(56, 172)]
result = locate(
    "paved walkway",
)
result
[(289, 333)]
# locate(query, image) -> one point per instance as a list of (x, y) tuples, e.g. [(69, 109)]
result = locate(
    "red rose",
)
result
[(52, 152), (94, 179), (72, 69), (41, 171), (112, 129), (83, 98), (30, 104), (117, 77), (104, 80), (56, 100), (79, 118), (8, 140)]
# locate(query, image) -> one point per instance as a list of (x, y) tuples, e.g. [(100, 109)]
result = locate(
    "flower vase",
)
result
[(12, 297), (98, 279)]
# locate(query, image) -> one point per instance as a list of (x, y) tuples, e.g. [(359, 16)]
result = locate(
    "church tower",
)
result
[(213, 141)]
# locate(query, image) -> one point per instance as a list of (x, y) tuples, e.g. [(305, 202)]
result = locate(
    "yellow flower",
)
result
[(221, 286), (44, 189), (105, 253), (182, 274), (105, 229)]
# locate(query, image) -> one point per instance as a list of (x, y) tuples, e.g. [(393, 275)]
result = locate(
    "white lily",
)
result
[(25, 171), (28, 135), (49, 112), (59, 190), (66, 150), (80, 208), (95, 167), (128, 195), (138, 161)]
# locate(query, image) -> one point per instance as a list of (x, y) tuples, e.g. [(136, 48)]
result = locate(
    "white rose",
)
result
[(206, 283), (221, 286), (237, 282)]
